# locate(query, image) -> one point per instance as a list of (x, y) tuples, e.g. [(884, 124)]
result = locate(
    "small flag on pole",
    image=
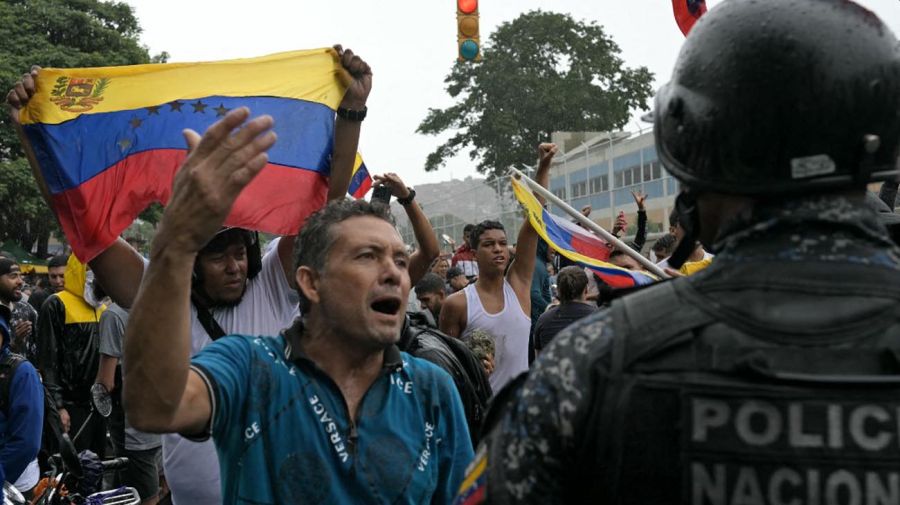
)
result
[(687, 12), (576, 243)]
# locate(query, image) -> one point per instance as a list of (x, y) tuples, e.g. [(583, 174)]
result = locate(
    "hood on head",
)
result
[(76, 274)]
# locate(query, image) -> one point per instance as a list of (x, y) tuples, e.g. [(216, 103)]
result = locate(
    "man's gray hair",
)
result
[(316, 238)]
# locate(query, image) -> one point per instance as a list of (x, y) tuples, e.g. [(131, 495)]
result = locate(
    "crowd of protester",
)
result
[(501, 313), (341, 365)]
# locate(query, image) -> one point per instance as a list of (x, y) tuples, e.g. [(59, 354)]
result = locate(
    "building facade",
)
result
[(603, 169), (592, 168)]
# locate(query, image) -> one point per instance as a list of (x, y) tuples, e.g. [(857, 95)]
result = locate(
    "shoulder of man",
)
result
[(548, 315), (564, 374), (55, 301), (25, 310), (114, 311), (52, 298), (420, 366), (585, 308), (229, 358), (265, 343), (11, 365), (428, 377), (271, 346), (456, 301)]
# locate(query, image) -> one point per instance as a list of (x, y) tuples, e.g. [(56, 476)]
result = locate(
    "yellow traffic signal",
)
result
[(467, 30)]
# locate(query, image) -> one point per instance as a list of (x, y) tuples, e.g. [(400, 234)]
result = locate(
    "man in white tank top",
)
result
[(497, 303)]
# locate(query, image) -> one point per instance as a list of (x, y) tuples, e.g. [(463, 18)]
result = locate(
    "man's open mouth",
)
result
[(387, 305)]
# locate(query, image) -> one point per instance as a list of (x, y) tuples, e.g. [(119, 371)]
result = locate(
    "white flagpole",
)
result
[(590, 225)]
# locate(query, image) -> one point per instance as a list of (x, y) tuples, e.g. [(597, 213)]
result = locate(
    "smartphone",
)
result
[(381, 194)]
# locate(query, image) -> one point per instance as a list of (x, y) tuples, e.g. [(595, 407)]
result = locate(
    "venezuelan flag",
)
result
[(361, 181), (108, 140), (575, 243), (687, 12), (473, 490)]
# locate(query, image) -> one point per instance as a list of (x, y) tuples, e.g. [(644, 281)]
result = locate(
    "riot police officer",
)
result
[(773, 376)]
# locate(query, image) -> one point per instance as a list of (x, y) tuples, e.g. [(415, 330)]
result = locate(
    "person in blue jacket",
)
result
[(21, 407)]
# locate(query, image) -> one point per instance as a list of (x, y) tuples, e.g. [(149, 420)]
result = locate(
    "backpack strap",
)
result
[(212, 327)]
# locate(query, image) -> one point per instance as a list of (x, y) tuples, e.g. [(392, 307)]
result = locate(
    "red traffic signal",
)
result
[(467, 35), (467, 6)]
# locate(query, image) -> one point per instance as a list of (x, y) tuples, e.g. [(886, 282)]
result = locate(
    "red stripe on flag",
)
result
[(363, 188), (476, 497), (614, 281), (590, 248), (95, 213)]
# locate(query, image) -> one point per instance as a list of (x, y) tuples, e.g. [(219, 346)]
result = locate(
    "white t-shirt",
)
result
[(509, 328), (29, 477), (192, 468)]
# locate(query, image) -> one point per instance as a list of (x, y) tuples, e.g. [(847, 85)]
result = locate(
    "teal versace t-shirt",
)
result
[(283, 434)]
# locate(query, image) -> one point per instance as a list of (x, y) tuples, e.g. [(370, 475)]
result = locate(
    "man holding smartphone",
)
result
[(390, 184)]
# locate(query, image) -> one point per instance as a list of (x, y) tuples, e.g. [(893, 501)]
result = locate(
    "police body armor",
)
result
[(788, 398)]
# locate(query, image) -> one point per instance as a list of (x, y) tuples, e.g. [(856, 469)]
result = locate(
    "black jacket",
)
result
[(774, 368), (68, 339)]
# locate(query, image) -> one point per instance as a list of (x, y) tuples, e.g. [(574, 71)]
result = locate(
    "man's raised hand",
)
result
[(639, 198), (621, 224), (359, 84), (219, 166), (546, 151), (21, 93), (394, 183)]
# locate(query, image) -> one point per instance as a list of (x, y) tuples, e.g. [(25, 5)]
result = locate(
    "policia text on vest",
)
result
[(785, 451)]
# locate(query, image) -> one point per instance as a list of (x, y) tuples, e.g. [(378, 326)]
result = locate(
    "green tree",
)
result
[(542, 72), (52, 33)]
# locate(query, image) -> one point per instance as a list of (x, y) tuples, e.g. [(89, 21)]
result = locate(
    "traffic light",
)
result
[(467, 30)]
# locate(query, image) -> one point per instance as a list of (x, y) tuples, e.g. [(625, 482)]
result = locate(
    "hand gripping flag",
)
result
[(576, 243), (108, 140), (687, 12)]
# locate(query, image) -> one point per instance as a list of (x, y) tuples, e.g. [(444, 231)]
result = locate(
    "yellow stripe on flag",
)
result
[(474, 474), (63, 94)]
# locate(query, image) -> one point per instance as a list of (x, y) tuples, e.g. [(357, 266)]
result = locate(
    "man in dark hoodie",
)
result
[(21, 409), (68, 356)]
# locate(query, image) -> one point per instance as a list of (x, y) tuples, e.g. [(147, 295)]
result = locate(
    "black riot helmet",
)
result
[(782, 96)]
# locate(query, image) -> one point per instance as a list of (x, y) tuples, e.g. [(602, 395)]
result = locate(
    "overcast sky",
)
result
[(411, 48)]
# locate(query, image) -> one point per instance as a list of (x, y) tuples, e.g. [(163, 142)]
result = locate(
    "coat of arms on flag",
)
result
[(78, 94)]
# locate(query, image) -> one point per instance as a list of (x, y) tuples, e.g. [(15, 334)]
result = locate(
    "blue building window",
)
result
[(599, 184)]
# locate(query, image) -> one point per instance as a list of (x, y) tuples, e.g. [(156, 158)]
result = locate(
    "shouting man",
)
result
[(330, 411)]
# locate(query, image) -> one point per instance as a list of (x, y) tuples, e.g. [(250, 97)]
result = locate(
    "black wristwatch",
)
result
[(409, 199), (352, 115)]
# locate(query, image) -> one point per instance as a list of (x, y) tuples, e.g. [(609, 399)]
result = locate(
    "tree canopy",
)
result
[(52, 33), (541, 72)]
